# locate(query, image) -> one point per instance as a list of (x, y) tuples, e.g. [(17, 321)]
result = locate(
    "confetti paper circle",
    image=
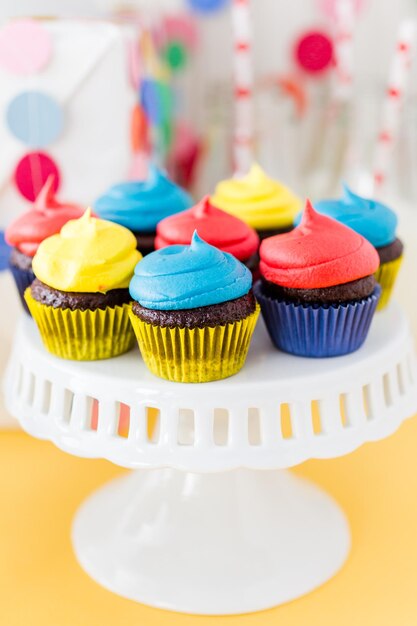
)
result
[(25, 47), (32, 172), (181, 28), (149, 95), (330, 9), (295, 89), (134, 64), (35, 118), (167, 134), (139, 130), (176, 55), (207, 6), (166, 98), (314, 52)]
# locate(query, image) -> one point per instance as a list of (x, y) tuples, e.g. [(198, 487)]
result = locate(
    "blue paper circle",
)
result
[(4, 252), (207, 6), (35, 118)]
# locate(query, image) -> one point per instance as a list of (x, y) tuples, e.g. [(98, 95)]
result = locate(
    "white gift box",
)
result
[(88, 77)]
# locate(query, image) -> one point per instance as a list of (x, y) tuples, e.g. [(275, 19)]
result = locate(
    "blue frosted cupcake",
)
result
[(193, 312), (141, 205), (378, 224), (318, 292)]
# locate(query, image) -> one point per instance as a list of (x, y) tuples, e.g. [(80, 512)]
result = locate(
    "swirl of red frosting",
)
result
[(216, 227), (45, 219), (319, 253)]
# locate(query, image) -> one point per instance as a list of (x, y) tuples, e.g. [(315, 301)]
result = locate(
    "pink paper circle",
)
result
[(32, 172), (329, 6), (25, 47), (314, 52)]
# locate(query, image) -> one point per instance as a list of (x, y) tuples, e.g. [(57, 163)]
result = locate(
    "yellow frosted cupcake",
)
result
[(265, 204), (80, 298)]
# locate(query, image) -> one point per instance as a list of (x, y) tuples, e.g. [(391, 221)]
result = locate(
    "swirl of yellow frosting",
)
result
[(257, 200), (88, 255)]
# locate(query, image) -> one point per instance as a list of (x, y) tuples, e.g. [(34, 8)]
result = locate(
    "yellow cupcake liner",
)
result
[(198, 355), (386, 277), (83, 335)]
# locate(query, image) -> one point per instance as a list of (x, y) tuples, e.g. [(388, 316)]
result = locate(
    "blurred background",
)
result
[(309, 128)]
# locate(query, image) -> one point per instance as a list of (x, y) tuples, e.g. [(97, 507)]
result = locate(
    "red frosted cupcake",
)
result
[(318, 293), (216, 227), (46, 218)]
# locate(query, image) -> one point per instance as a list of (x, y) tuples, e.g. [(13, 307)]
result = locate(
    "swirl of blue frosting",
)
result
[(187, 277), (141, 205), (370, 218)]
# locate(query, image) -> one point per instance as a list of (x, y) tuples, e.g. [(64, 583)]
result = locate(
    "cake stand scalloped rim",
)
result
[(330, 406)]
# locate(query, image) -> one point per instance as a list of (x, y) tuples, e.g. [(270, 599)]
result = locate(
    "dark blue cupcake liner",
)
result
[(23, 280), (317, 331), (4, 253)]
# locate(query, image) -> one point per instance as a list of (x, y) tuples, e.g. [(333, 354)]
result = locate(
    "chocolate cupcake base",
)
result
[(214, 315), (348, 292), (145, 242), (19, 260), (392, 252), (264, 234), (78, 301), (252, 263)]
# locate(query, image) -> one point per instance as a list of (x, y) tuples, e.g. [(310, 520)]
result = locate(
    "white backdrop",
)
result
[(275, 23)]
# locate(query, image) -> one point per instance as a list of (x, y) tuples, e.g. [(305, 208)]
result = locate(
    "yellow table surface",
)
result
[(41, 583)]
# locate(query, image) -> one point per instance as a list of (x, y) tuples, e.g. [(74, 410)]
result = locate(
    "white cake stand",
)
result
[(199, 529)]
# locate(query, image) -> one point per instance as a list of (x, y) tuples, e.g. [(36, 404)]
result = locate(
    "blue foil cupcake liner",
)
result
[(4, 253), (317, 331), (23, 280)]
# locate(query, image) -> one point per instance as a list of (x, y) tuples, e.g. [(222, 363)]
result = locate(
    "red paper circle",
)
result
[(314, 52), (32, 172)]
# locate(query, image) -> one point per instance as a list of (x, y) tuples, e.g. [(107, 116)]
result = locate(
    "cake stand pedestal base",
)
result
[(211, 544)]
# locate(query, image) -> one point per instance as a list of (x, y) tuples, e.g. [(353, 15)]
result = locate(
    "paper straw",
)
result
[(393, 103), (243, 138), (343, 49)]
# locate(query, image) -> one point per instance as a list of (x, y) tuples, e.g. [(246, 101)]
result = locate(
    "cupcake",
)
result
[(193, 312), (80, 297), (141, 205), (45, 218), (216, 227), (318, 292), (264, 204), (378, 224)]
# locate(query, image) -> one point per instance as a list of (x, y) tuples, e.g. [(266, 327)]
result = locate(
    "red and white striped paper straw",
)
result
[(393, 103), (243, 139), (343, 49)]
